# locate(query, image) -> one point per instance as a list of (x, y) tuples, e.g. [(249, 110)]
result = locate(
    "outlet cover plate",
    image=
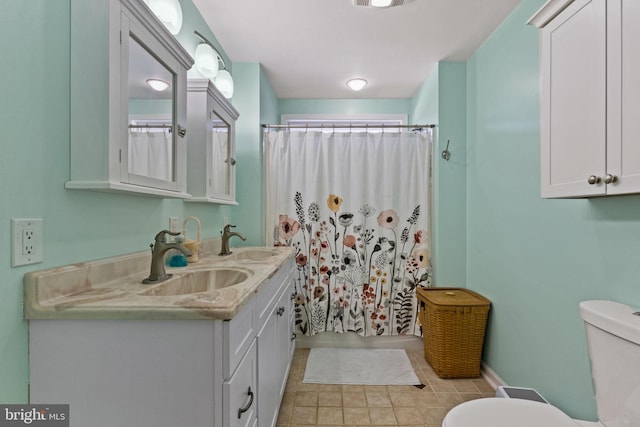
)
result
[(26, 241)]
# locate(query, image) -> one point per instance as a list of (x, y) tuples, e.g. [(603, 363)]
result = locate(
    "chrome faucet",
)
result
[(161, 246), (226, 235)]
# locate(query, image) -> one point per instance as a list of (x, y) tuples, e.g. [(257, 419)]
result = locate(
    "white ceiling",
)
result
[(310, 48)]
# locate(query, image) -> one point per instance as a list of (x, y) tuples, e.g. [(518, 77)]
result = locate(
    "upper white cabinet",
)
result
[(590, 96), (211, 152), (126, 136)]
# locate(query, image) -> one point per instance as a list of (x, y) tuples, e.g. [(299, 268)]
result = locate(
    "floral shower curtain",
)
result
[(355, 206)]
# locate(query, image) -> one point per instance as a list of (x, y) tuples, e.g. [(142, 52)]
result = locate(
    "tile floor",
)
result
[(349, 405)]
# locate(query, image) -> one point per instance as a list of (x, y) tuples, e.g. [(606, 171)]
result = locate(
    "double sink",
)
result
[(213, 288)]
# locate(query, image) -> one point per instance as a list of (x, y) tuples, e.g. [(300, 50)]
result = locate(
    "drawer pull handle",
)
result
[(246, 408), (280, 311)]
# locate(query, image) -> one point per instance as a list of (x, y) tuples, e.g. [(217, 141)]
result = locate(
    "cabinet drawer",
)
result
[(240, 393), (268, 293), (237, 335)]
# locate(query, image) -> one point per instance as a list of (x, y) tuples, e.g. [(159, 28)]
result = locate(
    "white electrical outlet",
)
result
[(26, 241), (173, 224)]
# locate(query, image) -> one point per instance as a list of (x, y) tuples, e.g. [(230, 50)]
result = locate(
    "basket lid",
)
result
[(452, 296)]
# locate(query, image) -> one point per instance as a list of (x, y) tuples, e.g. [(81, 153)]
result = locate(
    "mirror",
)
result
[(222, 156), (151, 136)]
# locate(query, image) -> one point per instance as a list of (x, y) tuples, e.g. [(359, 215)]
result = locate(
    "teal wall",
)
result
[(344, 106), (441, 100), (536, 259)]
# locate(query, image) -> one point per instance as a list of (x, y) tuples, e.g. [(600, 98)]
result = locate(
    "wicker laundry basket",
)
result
[(453, 327)]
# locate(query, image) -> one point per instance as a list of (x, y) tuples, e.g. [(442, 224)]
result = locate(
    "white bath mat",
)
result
[(388, 366)]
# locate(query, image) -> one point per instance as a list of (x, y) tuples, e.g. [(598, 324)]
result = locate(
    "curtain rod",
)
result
[(357, 126)]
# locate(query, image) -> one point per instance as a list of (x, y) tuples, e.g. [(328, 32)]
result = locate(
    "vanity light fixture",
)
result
[(207, 61), (357, 84), (168, 12), (158, 85)]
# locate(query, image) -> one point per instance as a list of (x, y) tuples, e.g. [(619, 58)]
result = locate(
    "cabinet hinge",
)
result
[(120, 156)]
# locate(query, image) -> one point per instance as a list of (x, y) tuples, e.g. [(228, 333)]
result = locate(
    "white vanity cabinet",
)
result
[(167, 373), (211, 175), (589, 63), (126, 136)]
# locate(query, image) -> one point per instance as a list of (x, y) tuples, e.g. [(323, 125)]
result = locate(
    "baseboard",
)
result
[(491, 377)]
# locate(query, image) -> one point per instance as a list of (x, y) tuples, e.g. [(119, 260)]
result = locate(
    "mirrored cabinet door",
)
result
[(128, 101), (211, 153)]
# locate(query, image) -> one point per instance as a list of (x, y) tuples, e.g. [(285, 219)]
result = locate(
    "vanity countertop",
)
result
[(112, 288)]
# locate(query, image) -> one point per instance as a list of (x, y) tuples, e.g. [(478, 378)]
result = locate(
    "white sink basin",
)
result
[(198, 281)]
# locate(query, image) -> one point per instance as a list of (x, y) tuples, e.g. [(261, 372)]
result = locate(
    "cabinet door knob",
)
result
[(293, 337), (248, 405), (280, 311), (231, 161), (610, 179), (593, 180)]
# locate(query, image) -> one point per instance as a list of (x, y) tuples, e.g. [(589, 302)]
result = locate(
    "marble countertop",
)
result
[(112, 288)]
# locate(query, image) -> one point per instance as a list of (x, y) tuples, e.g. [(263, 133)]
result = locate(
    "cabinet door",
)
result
[(623, 55), (273, 360), (240, 393), (573, 101)]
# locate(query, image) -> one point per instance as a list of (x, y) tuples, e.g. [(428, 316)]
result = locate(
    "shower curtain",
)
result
[(150, 154), (355, 206)]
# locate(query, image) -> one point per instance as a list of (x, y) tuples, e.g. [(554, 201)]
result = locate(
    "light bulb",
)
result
[(169, 12), (206, 60), (224, 83)]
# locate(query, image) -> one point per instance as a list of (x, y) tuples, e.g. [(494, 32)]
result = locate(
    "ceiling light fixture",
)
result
[(158, 85), (207, 61), (168, 12), (378, 3), (357, 84), (381, 3)]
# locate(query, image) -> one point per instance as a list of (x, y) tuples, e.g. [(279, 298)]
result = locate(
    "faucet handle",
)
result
[(226, 227), (161, 236)]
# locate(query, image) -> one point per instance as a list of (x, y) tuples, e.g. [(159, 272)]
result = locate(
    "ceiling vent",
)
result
[(368, 3)]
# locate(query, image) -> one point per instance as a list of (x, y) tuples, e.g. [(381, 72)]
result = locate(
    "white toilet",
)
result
[(613, 341)]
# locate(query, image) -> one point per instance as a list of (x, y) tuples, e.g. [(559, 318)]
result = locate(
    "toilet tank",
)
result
[(613, 342)]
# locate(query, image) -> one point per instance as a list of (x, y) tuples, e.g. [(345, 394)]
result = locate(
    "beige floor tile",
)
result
[(354, 399), (330, 416), (306, 398), (304, 415), (330, 398), (402, 399), (382, 416), (356, 416), (378, 399), (408, 416)]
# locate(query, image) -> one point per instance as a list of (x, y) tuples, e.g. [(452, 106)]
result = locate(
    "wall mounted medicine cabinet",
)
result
[(211, 175), (127, 136), (589, 104)]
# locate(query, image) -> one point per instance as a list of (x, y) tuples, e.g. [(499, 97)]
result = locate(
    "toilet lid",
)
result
[(504, 412)]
